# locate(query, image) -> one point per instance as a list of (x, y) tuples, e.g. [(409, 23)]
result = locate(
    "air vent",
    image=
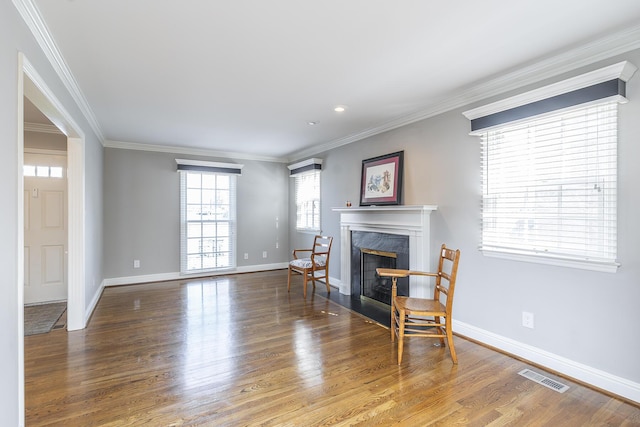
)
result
[(545, 381)]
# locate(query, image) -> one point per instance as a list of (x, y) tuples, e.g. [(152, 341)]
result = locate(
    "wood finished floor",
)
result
[(239, 350)]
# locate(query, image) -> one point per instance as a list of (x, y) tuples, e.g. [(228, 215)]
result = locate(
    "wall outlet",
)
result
[(527, 319), (246, 255), (264, 254), (136, 263)]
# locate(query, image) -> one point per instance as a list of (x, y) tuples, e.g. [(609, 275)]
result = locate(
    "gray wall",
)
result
[(584, 316), (15, 37), (142, 212)]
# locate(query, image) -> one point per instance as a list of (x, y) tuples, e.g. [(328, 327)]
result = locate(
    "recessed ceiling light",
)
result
[(340, 108), (312, 123)]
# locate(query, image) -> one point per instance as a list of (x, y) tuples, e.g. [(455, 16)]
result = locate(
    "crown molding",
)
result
[(604, 48), (41, 128), (622, 70), (190, 151), (31, 16)]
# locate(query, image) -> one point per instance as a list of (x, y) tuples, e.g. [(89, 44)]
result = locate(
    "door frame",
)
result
[(31, 85)]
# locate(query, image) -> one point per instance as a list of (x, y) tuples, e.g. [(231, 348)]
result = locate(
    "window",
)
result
[(549, 185), (207, 218), (308, 201), (307, 194), (549, 171), (43, 171)]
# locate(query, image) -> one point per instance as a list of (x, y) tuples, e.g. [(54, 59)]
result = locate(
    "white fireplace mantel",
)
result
[(407, 220)]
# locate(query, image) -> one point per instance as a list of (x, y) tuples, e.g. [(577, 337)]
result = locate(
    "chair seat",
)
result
[(306, 263), (420, 306)]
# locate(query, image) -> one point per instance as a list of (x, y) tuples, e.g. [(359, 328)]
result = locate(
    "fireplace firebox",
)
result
[(373, 287)]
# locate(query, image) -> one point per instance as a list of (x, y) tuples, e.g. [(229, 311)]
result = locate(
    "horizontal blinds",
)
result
[(549, 185), (308, 200)]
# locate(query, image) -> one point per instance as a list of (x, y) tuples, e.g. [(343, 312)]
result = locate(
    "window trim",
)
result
[(208, 168), (608, 82)]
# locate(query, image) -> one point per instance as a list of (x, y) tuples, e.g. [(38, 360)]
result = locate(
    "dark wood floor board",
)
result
[(240, 350)]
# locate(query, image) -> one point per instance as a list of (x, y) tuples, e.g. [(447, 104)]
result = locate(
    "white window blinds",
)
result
[(549, 185), (308, 200)]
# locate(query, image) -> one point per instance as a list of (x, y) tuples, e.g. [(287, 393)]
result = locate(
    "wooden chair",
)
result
[(316, 261), (422, 317)]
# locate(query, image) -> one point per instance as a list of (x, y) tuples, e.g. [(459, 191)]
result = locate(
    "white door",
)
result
[(45, 227)]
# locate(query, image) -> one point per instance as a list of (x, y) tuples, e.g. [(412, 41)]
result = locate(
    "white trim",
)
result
[(32, 18), (94, 302), (605, 267), (189, 151), (19, 235), (46, 152), (35, 88), (163, 277), (41, 128), (209, 164), (622, 70), (595, 377)]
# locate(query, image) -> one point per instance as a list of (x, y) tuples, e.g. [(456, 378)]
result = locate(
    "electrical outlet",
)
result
[(527, 319), (264, 254), (246, 255), (136, 263)]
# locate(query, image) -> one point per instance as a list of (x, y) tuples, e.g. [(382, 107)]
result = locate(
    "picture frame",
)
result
[(381, 181)]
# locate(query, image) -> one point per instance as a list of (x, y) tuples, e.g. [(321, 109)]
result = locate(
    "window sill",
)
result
[(308, 231), (602, 266)]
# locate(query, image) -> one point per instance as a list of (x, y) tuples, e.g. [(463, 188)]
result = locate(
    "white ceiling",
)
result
[(246, 76)]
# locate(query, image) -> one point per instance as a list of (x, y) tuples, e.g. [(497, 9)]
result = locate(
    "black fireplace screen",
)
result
[(373, 286)]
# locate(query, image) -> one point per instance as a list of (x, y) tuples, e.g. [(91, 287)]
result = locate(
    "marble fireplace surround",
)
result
[(412, 221)]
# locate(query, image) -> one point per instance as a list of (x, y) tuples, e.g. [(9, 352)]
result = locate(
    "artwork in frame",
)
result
[(381, 182)]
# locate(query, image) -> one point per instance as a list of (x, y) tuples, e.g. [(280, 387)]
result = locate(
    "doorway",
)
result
[(32, 87)]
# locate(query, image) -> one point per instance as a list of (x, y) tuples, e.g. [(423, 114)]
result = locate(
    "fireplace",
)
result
[(370, 250), (404, 230), (374, 288)]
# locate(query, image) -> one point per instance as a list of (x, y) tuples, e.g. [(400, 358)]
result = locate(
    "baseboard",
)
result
[(583, 373), (163, 277), (92, 305)]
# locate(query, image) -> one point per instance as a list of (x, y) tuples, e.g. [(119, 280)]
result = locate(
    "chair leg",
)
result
[(289, 280), (452, 349), (401, 336), (393, 322), (304, 283), (438, 321), (326, 281)]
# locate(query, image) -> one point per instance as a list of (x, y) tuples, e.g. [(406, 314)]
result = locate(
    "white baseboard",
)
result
[(595, 377), (163, 277), (92, 305)]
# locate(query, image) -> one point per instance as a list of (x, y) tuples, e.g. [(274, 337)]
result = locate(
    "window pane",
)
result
[(29, 170), (56, 172), (194, 230), (42, 171)]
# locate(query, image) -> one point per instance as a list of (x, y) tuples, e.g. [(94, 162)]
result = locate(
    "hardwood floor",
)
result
[(239, 350)]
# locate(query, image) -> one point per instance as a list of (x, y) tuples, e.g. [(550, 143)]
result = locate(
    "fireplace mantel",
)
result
[(409, 220)]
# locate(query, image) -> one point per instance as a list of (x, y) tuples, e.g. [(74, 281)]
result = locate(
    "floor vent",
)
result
[(545, 381)]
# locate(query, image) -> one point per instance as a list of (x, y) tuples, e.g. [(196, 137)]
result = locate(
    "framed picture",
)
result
[(381, 182)]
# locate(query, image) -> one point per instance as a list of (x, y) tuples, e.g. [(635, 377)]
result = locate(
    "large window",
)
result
[(549, 185), (208, 221), (549, 171)]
